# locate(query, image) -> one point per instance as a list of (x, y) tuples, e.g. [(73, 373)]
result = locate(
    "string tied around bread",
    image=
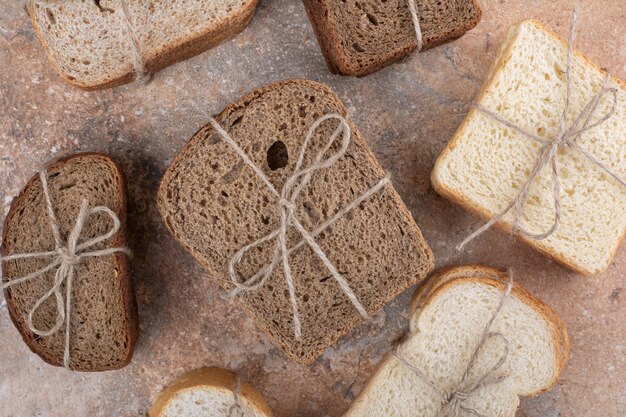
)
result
[(64, 258), (416, 24), (236, 410), (566, 137), (136, 58), (455, 402), (286, 206)]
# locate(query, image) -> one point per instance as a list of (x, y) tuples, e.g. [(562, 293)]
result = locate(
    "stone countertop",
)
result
[(406, 112)]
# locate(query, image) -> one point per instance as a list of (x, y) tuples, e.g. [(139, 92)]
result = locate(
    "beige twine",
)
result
[(286, 206), (236, 410), (64, 257), (454, 402), (548, 154), (416, 24), (137, 61)]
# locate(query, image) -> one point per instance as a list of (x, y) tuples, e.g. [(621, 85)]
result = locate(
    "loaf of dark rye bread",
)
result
[(104, 323), (214, 204), (359, 37), (90, 46)]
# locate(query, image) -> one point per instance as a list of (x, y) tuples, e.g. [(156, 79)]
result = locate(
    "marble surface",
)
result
[(407, 113)]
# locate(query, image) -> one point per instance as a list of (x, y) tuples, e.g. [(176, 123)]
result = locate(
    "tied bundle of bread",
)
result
[(477, 343), (210, 392), (359, 37), (541, 153), (65, 270), (282, 201), (97, 44)]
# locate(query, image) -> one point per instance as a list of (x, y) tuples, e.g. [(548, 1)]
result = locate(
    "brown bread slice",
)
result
[(104, 323), (359, 37), (214, 205), (88, 43)]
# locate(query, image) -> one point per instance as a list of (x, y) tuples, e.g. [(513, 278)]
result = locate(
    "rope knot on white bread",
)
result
[(64, 257), (454, 402), (548, 155), (286, 207)]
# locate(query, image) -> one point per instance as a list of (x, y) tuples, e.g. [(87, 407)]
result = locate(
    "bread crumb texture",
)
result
[(90, 45), (486, 164), (448, 328), (361, 36), (103, 315), (215, 204)]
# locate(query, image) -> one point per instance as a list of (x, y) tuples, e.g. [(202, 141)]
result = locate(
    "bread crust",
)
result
[(159, 59), (326, 91), (121, 261), (209, 378), (339, 63), (440, 187), (446, 278)]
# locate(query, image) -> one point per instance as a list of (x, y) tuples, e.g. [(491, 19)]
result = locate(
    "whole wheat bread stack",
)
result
[(90, 46), (447, 318), (359, 37), (209, 392), (214, 205), (104, 323), (486, 163)]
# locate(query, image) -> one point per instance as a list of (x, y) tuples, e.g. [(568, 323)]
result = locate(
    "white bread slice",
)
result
[(485, 164), (89, 45), (447, 317), (208, 392)]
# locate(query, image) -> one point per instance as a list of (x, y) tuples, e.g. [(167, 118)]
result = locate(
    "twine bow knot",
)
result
[(455, 402), (64, 257), (286, 205), (565, 138)]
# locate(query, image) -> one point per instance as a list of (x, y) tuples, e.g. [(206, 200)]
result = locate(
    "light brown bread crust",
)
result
[(289, 346), (177, 52), (440, 187), (334, 50), (446, 278), (209, 378), (443, 280), (127, 297)]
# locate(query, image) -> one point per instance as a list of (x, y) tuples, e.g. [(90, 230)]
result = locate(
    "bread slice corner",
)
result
[(535, 33), (208, 392), (103, 294), (108, 63), (454, 298)]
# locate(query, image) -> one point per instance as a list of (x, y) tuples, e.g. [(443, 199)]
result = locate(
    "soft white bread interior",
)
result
[(485, 165), (89, 44), (447, 318), (208, 392)]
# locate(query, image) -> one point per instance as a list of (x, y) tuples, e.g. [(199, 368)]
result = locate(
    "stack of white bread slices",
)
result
[(486, 163), (448, 316), (210, 392)]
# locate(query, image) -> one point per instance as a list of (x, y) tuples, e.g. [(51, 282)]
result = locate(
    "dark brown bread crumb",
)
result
[(214, 205), (359, 37), (104, 314)]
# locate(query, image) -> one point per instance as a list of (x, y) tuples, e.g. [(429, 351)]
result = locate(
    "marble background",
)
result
[(407, 113)]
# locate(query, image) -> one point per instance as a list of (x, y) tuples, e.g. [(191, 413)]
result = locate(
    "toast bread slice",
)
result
[(447, 318), (485, 163), (214, 205), (88, 43), (104, 321), (208, 392), (359, 37)]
